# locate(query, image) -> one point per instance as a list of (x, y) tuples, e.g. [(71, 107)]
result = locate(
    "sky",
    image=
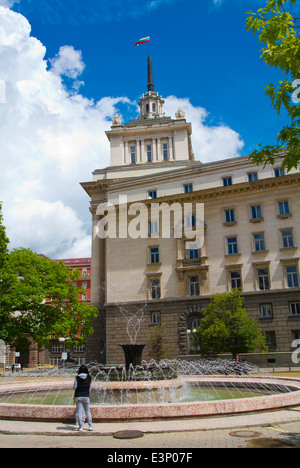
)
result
[(68, 66)]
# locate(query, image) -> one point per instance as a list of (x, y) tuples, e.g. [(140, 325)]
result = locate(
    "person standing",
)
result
[(82, 387)]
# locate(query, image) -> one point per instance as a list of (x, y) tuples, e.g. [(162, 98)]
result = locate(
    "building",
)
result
[(146, 262), (54, 352)]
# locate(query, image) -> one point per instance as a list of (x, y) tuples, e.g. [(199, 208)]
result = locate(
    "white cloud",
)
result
[(210, 143), (68, 62), (52, 139)]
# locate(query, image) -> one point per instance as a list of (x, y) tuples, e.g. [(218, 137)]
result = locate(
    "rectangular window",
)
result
[(149, 153), (153, 227), (279, 172), (165, 151), (266, 311), (292, 278), (190, 221), (252, 176), (155, 318), (271, 339), (193, 251), (132, 154), (155, 289), (295, 308), (154, 255), (229, 216), (227, 181), (194, 286), (152, 194), (287, 238), (263, 279), (259, 242), (232, 247), (188, 188), (235, 279), (256, 212), (283, 208)]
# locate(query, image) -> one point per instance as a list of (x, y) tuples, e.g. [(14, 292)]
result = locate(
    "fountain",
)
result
[(202, 388), (141, 390)]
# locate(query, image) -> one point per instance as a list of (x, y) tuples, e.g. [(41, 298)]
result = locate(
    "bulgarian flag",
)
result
[(141, 41)]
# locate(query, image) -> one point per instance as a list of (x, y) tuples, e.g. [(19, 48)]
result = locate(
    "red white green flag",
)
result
[(142, 41)]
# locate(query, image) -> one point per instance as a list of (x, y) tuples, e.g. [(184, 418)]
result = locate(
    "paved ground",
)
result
[(279, 429)]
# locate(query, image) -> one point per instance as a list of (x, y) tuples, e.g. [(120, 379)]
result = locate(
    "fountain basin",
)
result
[(160, 410)]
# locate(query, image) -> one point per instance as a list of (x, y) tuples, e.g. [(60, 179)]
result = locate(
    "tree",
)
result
[(281, 49), (38, 299), (226, 327), (3, 241), (156, 338)]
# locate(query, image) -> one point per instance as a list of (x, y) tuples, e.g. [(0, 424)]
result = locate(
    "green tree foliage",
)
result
[(226, 327), (156, 339), (38, 299), (277, 31)]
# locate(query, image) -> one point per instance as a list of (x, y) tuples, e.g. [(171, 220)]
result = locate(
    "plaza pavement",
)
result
[(278, 429)]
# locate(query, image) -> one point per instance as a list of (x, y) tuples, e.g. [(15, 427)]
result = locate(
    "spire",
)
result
[(150, 75)]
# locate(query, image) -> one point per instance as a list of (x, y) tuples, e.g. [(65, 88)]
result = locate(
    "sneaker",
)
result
[(80, 429), (91, 428)]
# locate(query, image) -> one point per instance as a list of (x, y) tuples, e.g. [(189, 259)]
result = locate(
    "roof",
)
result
[(72, 261)]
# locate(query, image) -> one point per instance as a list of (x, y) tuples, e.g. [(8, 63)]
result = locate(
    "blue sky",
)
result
[(68, 66), (200, 48)]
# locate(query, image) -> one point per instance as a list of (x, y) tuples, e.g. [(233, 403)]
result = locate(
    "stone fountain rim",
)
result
[(163, 410)]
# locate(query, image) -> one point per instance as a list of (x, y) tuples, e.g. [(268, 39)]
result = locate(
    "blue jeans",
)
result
[(83, 403)]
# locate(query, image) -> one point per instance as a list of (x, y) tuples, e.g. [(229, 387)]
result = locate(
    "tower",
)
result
[(153, 137)]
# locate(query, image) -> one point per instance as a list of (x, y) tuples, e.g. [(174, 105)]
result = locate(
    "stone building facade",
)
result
[(169, 231)]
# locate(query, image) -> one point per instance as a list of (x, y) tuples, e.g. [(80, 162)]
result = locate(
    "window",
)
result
[(229, 216), (279, 172), (232, 247), (194, 286), (283, 208), (235, 279), (271, 339), (256, 212), (252, 176), (153, 227), (287, 238), (57, 348), (259, 242), (149, 153), (132, 154), (154, 255), (153, 108), (155, 318), (84, 297), (165, 151), (263, 279), (193, 251), (152, 194), (190, 221), (155, 289), (295, 308), (292, 278), (266, 311), (188, 188), (227, 181), (84, 272)]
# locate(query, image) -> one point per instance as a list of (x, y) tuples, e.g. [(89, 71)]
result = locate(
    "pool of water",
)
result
[(65, 397)]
